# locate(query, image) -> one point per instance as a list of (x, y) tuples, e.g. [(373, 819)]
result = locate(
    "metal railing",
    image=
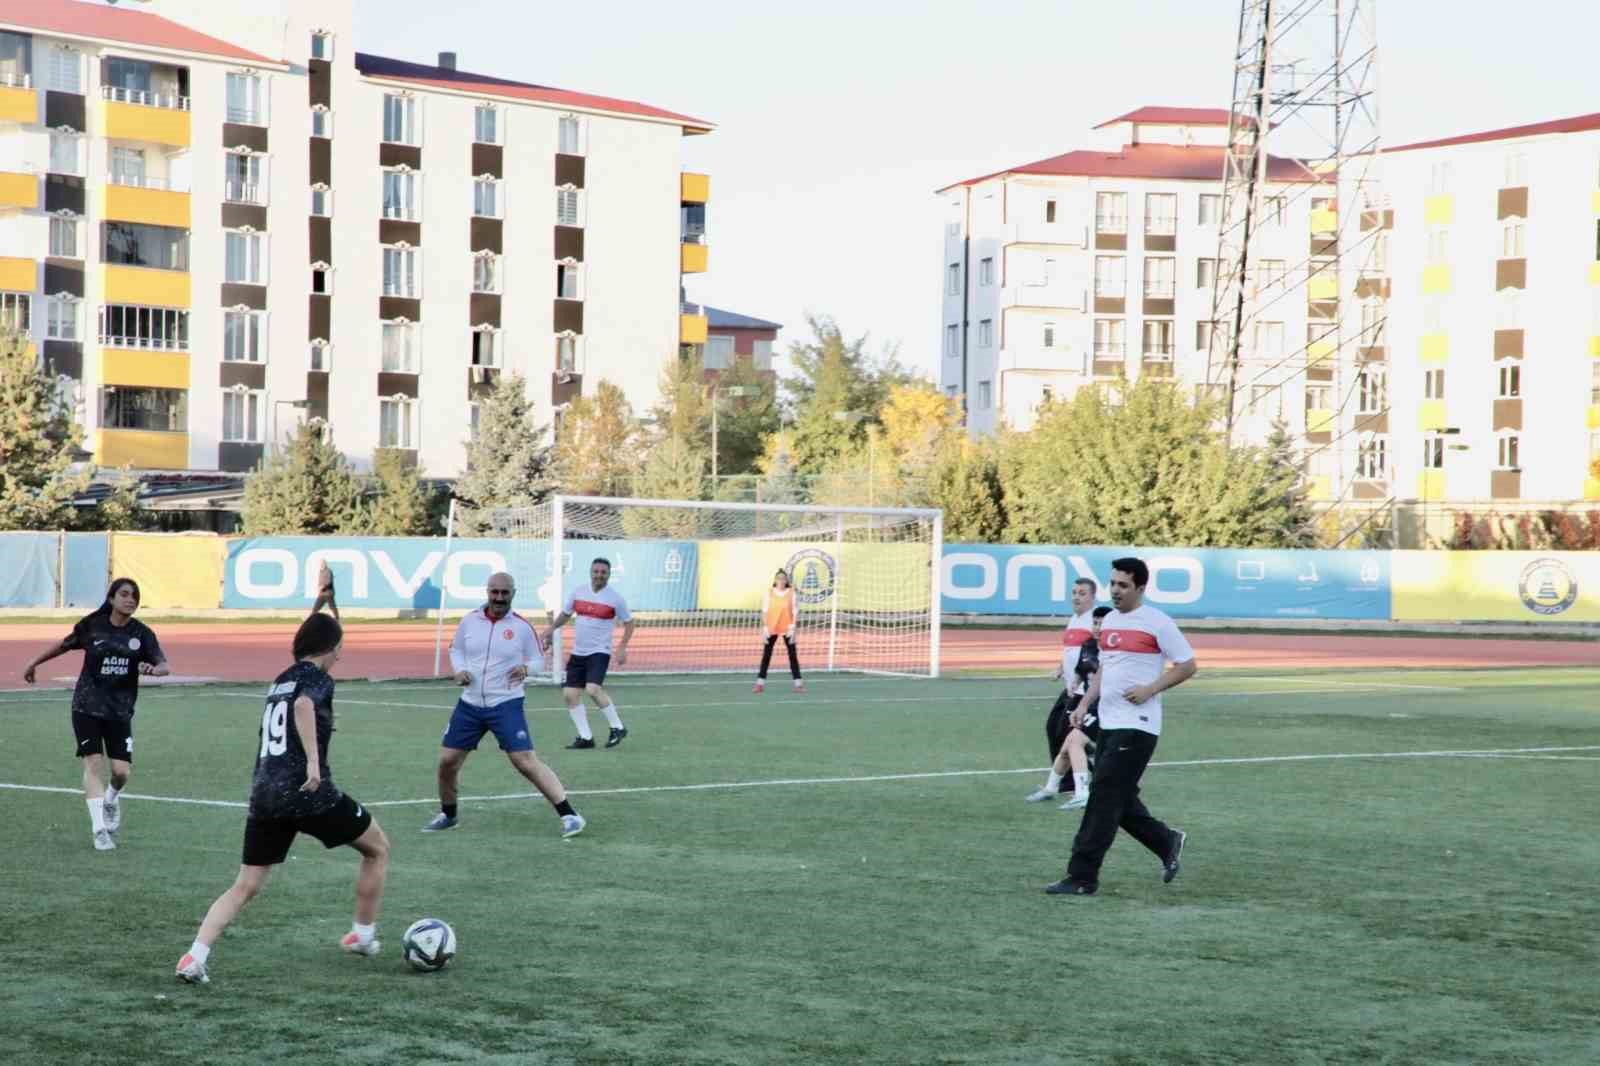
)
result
[(166, 344), (1109, 349), (10, 79), (248, 116), (243, 192), (170, 101), (1111, 223), (141, 181)]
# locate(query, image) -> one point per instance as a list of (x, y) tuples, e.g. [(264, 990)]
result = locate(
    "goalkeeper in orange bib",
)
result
[(777, 620)]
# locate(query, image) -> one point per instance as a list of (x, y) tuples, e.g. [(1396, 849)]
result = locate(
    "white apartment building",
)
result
[(218, 220)]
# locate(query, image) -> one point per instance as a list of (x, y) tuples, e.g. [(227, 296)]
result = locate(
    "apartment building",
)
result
[(219, 220), (732, 337)]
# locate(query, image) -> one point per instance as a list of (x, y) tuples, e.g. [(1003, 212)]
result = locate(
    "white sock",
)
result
[(1053, 784), (364, 933), (200, 952), (112, 793), (97, 814), (1080, 783), (610, 711), (580, 718)]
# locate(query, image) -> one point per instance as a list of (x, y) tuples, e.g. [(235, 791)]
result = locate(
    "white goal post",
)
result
[(867, 579)]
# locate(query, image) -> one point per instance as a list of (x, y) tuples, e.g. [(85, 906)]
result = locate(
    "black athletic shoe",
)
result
[(1065, 887), (581, 742), (1169, 865), (615, 738)]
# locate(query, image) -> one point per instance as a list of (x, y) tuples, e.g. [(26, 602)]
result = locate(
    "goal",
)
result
[(693, 573)]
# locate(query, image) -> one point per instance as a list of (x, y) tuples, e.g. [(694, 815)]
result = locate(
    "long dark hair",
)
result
[(117, 586), (317, 635), (788, 582)]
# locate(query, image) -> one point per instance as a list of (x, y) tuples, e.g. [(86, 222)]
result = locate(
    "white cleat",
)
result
[(356, 946), (572, 825), (113, 814), (760, 687), (1039, 795), (1079, 799), (103, 841), (191, 972)]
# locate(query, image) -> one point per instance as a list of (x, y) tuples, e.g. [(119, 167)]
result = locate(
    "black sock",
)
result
[(564, 808), (449, 809)]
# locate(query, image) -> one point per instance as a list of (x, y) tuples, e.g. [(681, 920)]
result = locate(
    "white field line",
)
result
[(1364, 684), (873, 778)]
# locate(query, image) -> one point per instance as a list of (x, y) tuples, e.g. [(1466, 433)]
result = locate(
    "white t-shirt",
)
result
[(1079, 632), (1134, 648), (594, 616)]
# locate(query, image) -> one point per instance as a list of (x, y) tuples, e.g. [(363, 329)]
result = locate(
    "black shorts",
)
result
[(267, 840), (1091, 723), (108, 735), (587, 669)]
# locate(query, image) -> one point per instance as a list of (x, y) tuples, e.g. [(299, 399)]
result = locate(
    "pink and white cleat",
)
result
[(761, 686), (353, 943)]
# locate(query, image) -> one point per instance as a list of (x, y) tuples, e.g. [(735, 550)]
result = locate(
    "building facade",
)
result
[(218, 221), (732, 338)]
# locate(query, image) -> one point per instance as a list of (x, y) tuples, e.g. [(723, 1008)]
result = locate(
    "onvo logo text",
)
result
[(1174, 579), (279, 574)]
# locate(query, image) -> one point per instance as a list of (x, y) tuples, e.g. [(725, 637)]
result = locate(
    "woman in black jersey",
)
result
[(292, 792), (116, 648)]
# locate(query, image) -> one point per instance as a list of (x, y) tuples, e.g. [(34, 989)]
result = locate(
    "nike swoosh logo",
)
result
[(359, 811)]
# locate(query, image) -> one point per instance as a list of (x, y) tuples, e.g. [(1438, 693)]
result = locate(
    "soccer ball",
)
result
[(428, 945)]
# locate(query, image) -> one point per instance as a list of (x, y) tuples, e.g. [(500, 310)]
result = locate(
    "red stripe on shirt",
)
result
[(591, 609), (1130, 640), (1076, 638)]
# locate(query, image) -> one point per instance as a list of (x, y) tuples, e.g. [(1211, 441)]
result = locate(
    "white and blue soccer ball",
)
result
[(428, 945)]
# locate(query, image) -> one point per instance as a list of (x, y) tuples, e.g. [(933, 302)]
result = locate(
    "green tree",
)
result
[(400, 505), (304, 487), (596, 452), (745, 421), (39, 443), (508, 465), (1149, 470), (836, 392), (118, 510), (965, 482), (1285, 469)]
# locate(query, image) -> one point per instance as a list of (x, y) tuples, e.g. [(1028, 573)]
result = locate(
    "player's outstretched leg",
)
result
[(580, 717), (608, 707), (1075, 751), (450, 760), (226, 907), (549, 785)]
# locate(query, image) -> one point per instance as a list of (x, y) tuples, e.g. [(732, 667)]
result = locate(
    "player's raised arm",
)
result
[(61, 648)]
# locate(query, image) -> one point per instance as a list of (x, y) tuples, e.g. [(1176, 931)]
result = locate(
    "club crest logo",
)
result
[(813, 573), (1547, 586), (133, 643)]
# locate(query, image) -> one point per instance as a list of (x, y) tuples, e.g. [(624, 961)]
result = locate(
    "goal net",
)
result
[(693, 574)]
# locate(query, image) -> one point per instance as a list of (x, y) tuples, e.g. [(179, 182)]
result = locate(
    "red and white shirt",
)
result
[(489, 650), (594, 617), (1079, 632), (1135, 647)]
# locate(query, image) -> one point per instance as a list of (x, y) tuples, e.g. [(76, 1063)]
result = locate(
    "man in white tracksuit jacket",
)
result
[(492, 653)]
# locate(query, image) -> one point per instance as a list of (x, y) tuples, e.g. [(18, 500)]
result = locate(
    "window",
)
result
[(161, 410), (321, 201), (1158, 339), (1511, 239), (1269, 339), (132, 244), (64, 73), (986, 333), (243, 178), (486, 124), (952, 340), (65, 152), (1433, 452), (1371, 323), (16, 59), (1439, 180), (61, 318), (127, 166), (64, 241), (986, 271), (244, 259), (567, 281), (401, 197), (397, 419), (132, 326), (1433, 384), (486, 197), (1205, 273), (952, 282), (718, 353), (1210, 209), (1108, 338), (1516, 170), (1433, 315), (1109, 277), (486, 345), (1372, 458), (1266, 402), (1111, 212), (1049, 210), (244, 336), (985, 395), (400, 347), (1207, 333), (322, 46), (321, 279), (400, 272), (1275, 208), (241, 416), (567, 207), (1159, 277), (1161, 213), (16, 312), (1506, 452), (1318, 398), (485, 272), (571, 136), (1271, 272), (1594, 382), (321, 357), (1508, 309), (1510, 375), (761, 355), (1049, 338), (567, 353), (1378, 262), (400, 119), (246, 101), (321, 122), (1372, 390)]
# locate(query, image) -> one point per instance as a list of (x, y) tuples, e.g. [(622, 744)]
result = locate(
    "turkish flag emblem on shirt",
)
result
[(509, 635), (591, 609), (1130, 640)]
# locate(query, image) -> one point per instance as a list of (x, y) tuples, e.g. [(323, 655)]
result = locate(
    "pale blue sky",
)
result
[(838, 118)]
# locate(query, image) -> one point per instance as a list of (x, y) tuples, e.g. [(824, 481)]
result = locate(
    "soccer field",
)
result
[(1381, 868)]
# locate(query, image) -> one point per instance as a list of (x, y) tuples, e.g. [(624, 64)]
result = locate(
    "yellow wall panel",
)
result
[(692, 329), (1496, 586), (1594, 347), (141, 448), (18, 275), (1324, 220), (155, 207), (696, 188), (1322, 287), (19, 190), (173, 570), (1439, 210), (1430, 415), (1594, 416), (138, 122), (1319, 487), (19, 105), (155, 370), (1591, 488), (1319, 421), (734, 573), (1435, 347), (1594, 273), (1436, 278), (147, 285), (1430, 485), (695, 258)]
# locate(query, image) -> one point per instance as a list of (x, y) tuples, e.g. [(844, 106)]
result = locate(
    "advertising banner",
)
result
[(28, 564), (1484, 586), (172, 569), (87, 570), (863, 577)]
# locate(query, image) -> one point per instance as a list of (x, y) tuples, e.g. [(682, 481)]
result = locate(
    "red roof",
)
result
[(117, 24), (1172, 116), (444, 78), (1576, 124), (1168, 162)]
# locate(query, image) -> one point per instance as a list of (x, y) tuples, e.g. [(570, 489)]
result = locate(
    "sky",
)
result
[(838, 119)]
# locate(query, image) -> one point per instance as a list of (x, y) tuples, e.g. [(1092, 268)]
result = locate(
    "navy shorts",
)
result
[(587, 669), (507, 721)]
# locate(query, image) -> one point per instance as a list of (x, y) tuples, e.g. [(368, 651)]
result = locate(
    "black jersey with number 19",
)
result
[(275, 790)]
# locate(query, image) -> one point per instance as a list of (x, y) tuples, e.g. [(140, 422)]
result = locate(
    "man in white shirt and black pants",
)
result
[(1136, 641)]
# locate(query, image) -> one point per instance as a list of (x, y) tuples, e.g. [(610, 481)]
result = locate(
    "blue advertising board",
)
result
[(28, 563), (413, 572), (1184, 582)]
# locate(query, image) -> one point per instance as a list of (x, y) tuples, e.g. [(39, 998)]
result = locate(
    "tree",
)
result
[(39, 442), (921, 430), (305, 487), (1150, 470), (965, 482), (401, 506), (744, 422), (1286, 470), (596, 452), (508, 465), (117, 510), (835, 379)]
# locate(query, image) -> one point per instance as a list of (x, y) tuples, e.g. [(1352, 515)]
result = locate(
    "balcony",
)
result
[(1430, 485), (694, 188), (1436, 279), (1319, 420), (152, 118), (1439, 210), (1322, 287), (18, 275), (694, 257), (1594, 273), (235, 191), (1324, 220), (1036, 231), (151, 201), (19, 191), (1592, 417), (692, 325), (150, 286), (1591, 488), (1430, 415), (1434, 347), (142, 449), (19, 100), (1319, 350), (144, 369), (1594, 346), (1054, 294)]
